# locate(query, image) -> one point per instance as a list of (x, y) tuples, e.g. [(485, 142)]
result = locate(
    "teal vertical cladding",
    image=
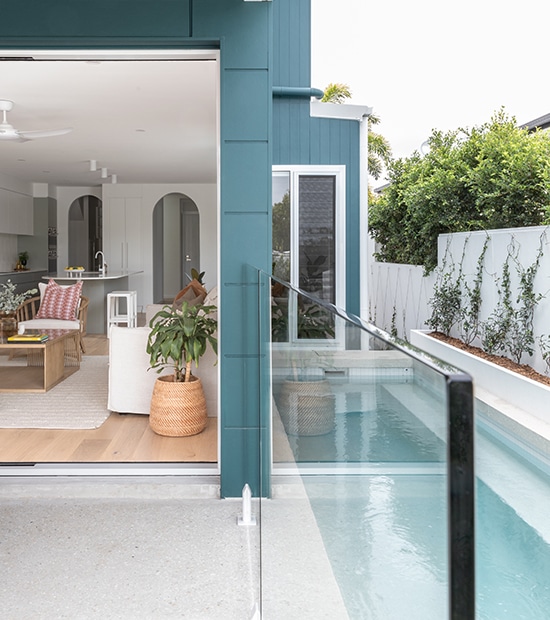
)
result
[(242, 445), (299, 139), (246, 233), (245, 115), (243, 27), (245, 189), (243, 31), (292, 43), (94, 18)]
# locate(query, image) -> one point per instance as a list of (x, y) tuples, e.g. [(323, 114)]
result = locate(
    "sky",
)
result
[(431, 64)]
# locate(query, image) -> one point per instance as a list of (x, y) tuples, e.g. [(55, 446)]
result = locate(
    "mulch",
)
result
[(522, 369)]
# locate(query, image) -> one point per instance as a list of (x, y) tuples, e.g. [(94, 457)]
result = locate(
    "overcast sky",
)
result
[(432, 64)]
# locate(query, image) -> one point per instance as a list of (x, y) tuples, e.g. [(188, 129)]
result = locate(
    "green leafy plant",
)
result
[(195, 275), (509, 329), (470, 323), (521, 338), (180, 337), (495, 329), (544, 345), (10, 300), (492, 176), (446, 302)]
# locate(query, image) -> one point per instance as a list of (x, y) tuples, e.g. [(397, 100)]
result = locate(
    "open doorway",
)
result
[(134, 118), (176, 245)]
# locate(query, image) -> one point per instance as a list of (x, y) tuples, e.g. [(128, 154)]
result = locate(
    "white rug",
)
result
[(79, 402)]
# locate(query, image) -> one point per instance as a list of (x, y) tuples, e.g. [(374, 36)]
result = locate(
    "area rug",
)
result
[(79, 402)]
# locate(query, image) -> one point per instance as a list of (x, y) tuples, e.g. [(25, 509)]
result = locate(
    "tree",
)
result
[(493, 176), (336, 93), (379, 148)]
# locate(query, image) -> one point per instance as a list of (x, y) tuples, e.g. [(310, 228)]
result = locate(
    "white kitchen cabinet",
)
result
[(16, 213), (122, 234)]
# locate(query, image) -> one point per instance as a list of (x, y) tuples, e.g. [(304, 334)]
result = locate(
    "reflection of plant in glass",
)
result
[(281, 224), (312, 321), (311, 274)]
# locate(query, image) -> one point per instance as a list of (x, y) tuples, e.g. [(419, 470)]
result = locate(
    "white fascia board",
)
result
[(343, 111), (95, 54)]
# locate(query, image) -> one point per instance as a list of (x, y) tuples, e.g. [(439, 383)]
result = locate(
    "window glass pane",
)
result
[(316, 235), (281, 225), (316, 254)]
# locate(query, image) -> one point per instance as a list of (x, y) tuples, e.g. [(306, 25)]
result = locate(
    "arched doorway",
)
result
[(85, 232), (176, 245)]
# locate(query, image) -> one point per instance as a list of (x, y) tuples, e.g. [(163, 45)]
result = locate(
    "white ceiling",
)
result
[(147, 121)]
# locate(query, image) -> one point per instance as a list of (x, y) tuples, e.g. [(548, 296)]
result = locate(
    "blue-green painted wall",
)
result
[(243, 32), (301, 140)]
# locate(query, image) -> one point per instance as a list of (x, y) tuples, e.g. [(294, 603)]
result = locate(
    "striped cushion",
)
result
[(60, 302)]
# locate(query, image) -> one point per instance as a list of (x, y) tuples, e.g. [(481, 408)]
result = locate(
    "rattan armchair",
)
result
[(26, 314)]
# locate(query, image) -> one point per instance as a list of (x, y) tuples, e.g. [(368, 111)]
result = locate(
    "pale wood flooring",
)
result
[(122, 438)]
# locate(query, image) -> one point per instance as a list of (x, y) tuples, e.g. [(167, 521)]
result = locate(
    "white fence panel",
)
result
[(399, 296)]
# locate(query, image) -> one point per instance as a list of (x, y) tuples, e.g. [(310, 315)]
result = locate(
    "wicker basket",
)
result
[(307, 407), (177, 409)]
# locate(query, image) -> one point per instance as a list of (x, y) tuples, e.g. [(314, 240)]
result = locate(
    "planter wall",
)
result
[(510, 387)]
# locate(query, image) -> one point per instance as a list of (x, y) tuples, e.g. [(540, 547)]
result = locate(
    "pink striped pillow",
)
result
[(60, 302)]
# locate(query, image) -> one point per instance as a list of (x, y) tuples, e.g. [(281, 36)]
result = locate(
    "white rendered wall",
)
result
[(403, 290)]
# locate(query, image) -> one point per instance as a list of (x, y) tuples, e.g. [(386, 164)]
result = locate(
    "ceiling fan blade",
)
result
[(31, 135)]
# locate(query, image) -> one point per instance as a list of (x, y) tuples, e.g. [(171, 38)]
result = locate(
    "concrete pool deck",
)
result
[(157, 548)]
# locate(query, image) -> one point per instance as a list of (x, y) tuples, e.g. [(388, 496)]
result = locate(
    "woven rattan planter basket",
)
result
[(307, 407), (177, 409)]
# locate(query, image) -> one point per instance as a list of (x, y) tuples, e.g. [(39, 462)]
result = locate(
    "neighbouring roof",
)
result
[(542, 122)]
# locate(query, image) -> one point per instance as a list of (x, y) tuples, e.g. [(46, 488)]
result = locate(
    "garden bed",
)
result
[(509, 383)]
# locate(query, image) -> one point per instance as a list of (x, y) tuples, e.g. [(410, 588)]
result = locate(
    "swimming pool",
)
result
[(384, 527)]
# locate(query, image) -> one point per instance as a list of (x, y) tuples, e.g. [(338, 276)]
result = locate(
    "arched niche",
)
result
[(176, 245)]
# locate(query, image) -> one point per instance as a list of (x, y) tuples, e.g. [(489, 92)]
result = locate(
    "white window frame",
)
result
[(339, 172)]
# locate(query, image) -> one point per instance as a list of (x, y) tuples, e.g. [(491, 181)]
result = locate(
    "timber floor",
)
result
[(121, 439)]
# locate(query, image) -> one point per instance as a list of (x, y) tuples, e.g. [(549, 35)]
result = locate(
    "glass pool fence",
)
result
[(367, 469)]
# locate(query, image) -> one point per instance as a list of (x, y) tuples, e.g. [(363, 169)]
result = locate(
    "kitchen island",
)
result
[(96, 286)]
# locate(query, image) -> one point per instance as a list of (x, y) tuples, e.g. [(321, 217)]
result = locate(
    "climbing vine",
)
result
[(509, 328)]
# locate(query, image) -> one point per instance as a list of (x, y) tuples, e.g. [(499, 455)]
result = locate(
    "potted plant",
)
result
[(179, 338), (23, 259), (10, 300)]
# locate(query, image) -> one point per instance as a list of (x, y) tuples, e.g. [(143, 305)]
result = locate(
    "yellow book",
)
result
[(28, 338)]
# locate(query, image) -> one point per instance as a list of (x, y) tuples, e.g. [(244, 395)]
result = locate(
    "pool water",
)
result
[(385, 533)]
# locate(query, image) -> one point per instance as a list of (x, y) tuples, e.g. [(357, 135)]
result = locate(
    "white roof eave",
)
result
[(342, 111)]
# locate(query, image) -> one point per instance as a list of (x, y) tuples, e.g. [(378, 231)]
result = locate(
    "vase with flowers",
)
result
[(10, 300)]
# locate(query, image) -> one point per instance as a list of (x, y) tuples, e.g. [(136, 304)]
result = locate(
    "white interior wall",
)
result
[(203, 195)]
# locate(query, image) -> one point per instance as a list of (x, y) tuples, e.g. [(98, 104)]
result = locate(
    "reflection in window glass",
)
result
[(281, 226), (316, 234), (304, 253)]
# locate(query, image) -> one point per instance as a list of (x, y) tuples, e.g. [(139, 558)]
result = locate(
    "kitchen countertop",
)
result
[(14, 271), (90, 275)]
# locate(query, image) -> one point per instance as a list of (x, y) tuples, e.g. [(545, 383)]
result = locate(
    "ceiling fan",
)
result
[(8, 132)]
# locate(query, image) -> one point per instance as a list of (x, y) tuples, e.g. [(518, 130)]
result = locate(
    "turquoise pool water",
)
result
[(385, 532)]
